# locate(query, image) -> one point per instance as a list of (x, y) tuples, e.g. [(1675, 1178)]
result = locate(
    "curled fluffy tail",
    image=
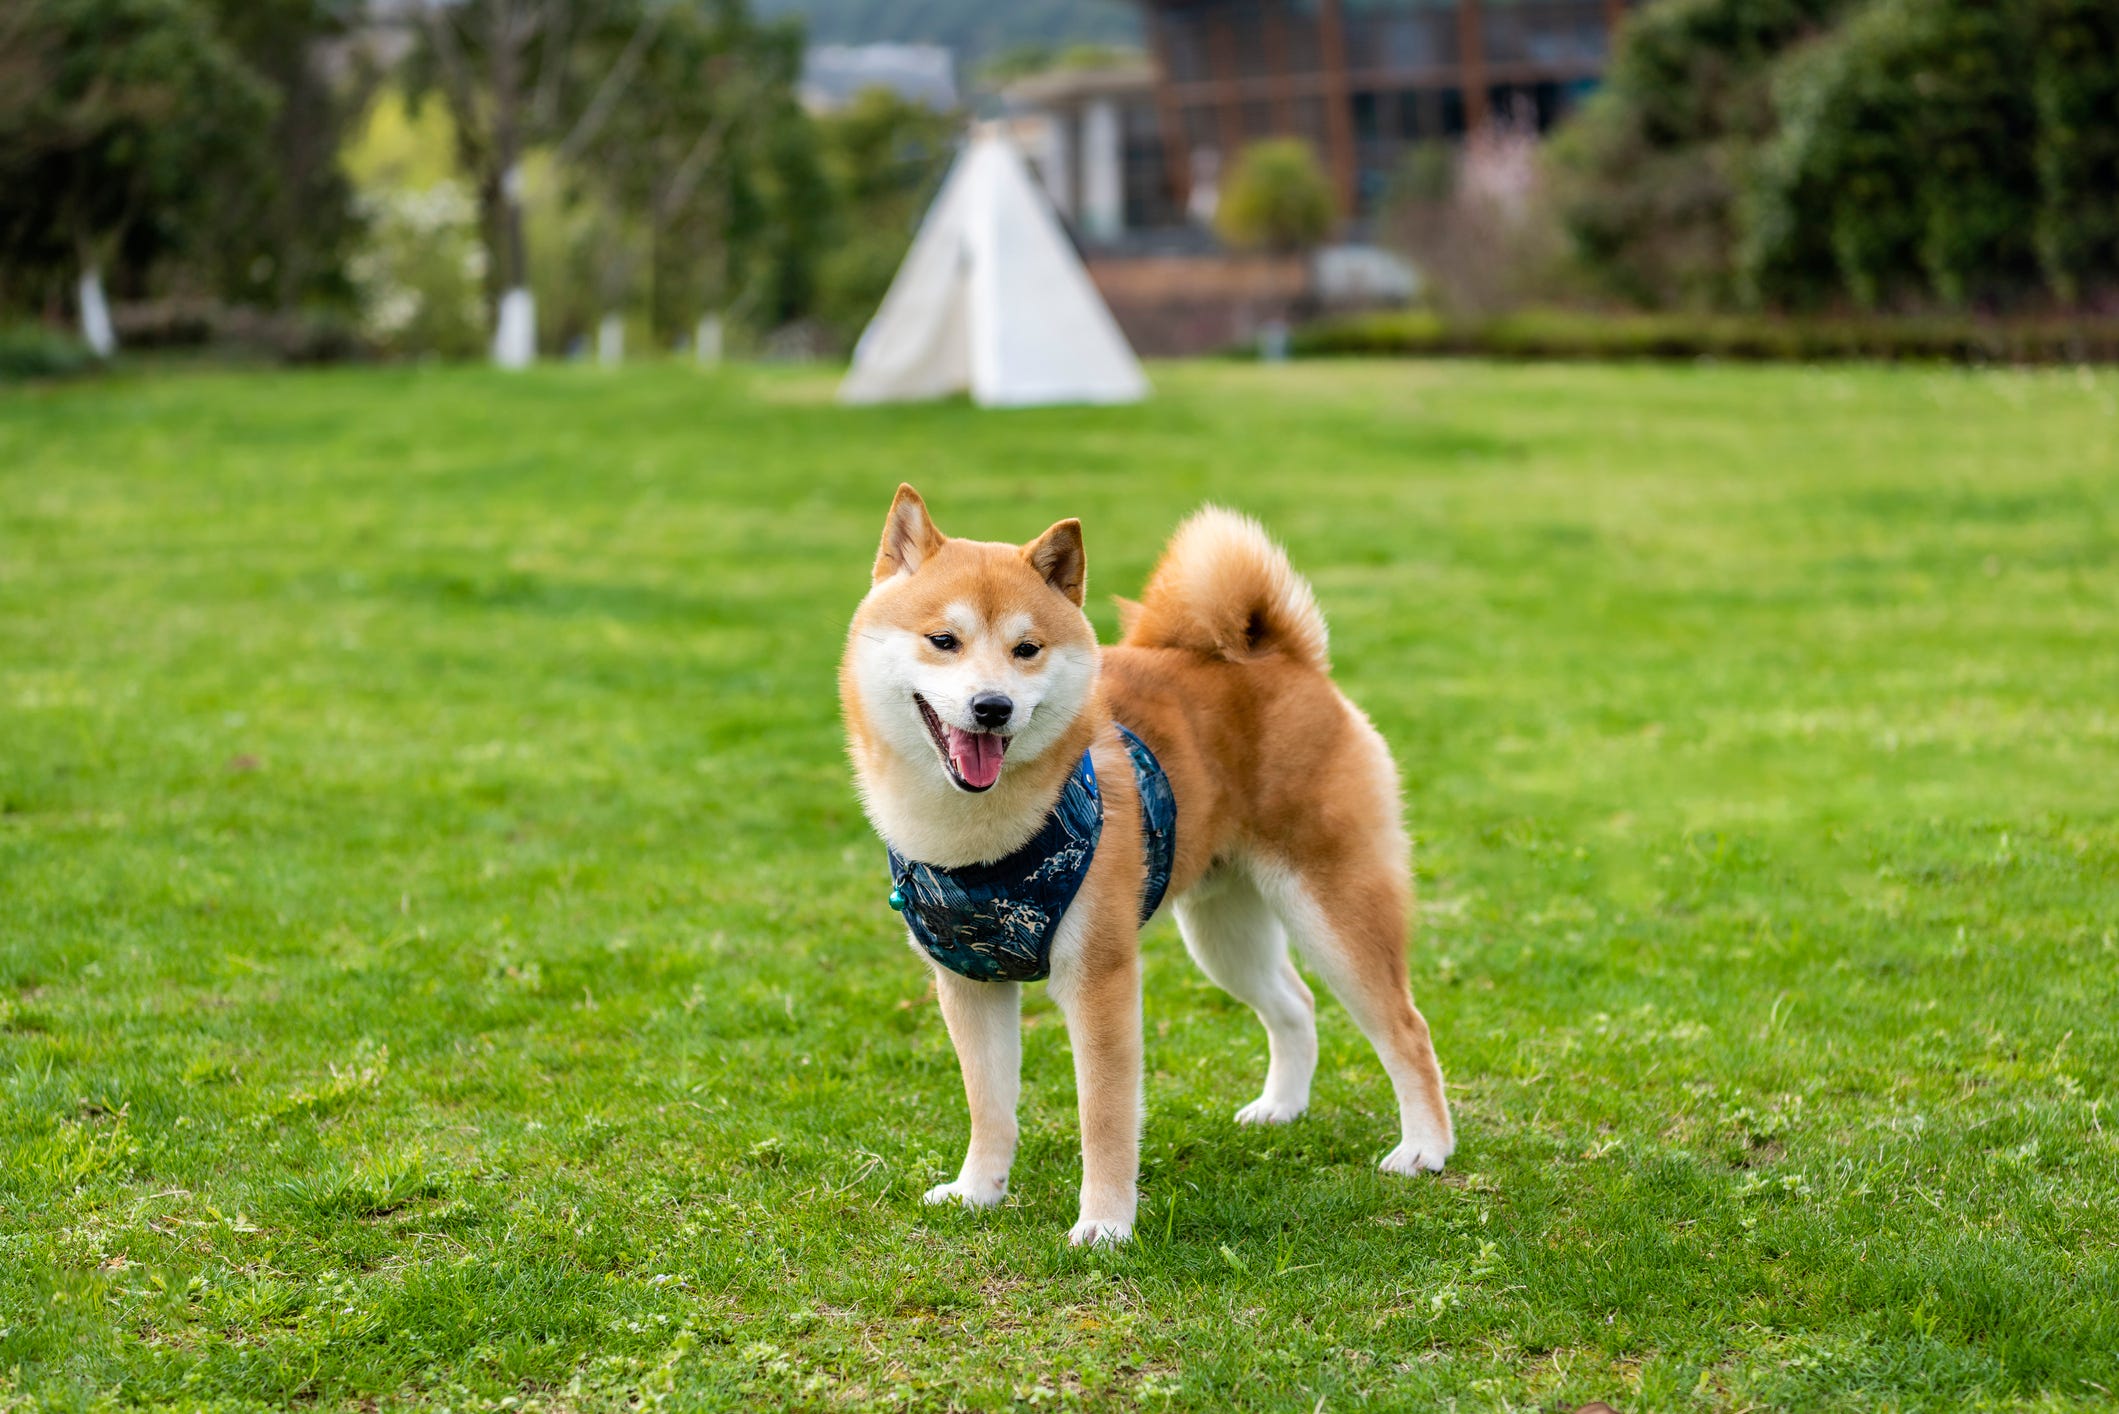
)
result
[(1223, 588)]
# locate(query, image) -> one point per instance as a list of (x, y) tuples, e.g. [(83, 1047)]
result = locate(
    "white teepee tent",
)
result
[(992, 299)]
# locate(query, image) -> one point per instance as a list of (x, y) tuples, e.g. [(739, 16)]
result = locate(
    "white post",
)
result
[(1103, 171), (96, 330), (515, 341), (709, 340), (610, 340)]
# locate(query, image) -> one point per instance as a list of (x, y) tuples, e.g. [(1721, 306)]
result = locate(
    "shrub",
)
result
[(1819, 153), (1568, 334), (418, 274), (420, 271), (1477, 223), (1277, 198), (30, 351), (1649, 175), (885, 158), (1903, 165), (2075, 87)]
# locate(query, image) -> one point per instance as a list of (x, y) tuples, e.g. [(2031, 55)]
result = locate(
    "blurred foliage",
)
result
[(514, 77), (2075, 85), (1277, 198), (184, 147), (1902, 169), (1476, 220), (975, 29), (585, 256), (626, 158), (282, 242), (1649, 172), (1601, 335), (1044, 57), (419, 273), (397, 145), (1891, 154), (35, 351), (127, 127), (668, 171), (886, 158)]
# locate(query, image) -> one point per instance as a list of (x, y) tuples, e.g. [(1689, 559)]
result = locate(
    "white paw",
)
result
[(977, 1193), (1415, 1156), (1267, 1110), (1090, 1232)]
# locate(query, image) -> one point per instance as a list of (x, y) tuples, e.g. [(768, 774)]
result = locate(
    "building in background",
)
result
[(1095, 138), (1132, 154), (1139, 148), (1363, 80)]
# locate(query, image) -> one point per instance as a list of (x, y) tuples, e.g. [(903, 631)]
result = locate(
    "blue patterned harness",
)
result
[(995, 922)]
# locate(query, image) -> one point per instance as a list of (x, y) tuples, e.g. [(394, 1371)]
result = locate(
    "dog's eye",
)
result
[(944, 641), (1026, 650)]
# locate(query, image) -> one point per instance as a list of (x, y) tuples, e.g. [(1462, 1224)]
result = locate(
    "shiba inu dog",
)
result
[(1024, 780)]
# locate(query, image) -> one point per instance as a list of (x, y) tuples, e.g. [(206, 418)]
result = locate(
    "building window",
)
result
[(1557, 33), (1247, 25), (1149, 202), (1184, 40), (1384, 36), (1419, 115), (1309, 122), (1202, 127), (1368, 115), (1300, 28), (1452, 112)]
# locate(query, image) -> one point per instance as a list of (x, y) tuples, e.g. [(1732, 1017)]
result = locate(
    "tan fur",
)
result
[(1224, 590), (1288, 820)]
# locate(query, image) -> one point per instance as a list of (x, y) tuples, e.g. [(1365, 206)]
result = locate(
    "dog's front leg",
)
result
[(1102, 1007), (985, 1024)]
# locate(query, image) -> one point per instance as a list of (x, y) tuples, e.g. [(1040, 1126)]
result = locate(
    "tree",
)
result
[(2075, 84), (1903, 168), (708, 161), (120, 122), (285, 241), (515, 74), (886, 158), (1650, 174), (1878, 153), (1278, 199)]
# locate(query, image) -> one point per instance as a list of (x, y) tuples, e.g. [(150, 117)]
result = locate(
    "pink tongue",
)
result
[(976, 756)]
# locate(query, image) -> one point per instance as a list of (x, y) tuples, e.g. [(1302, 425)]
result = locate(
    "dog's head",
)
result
[(969, 657)]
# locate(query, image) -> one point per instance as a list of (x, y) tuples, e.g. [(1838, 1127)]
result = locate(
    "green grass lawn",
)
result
[(442, 962)]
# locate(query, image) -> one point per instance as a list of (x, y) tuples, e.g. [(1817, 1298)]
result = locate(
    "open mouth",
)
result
[(973, 759)]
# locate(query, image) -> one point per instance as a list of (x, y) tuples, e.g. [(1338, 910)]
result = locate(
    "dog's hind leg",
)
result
[(985, 1025), (1349, 919), (1237, 939)]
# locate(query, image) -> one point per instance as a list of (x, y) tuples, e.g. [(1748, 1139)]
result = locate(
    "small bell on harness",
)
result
[(897, 900)]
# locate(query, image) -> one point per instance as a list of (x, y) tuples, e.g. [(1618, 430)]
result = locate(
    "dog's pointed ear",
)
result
[(1057, 555), (1129, 612), (909, 536)]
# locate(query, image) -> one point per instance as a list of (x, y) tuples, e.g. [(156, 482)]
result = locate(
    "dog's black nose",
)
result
[(991, 710)]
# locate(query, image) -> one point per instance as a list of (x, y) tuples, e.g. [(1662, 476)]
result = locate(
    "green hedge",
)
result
[(2075, 87), (1559, 334), (34, 351), (1887, 154), (1650, 173), (1903, 170)]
